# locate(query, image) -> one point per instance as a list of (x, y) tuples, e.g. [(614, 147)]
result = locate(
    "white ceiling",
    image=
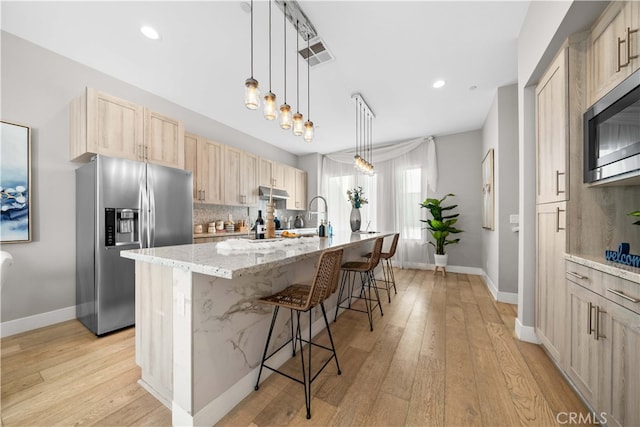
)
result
[(389, 51)]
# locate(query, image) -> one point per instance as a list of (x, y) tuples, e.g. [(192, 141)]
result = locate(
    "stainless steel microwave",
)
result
[(612, 134)]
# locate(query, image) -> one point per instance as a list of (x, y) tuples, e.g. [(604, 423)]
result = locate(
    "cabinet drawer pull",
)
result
[(589, 318), (622, 295), (597, 334), (576, 275), (620, 64), (558, 191), (629, 32), (558, 228)]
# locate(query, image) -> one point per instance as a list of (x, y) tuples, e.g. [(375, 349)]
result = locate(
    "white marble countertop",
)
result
[(207, 258), (615, 269)]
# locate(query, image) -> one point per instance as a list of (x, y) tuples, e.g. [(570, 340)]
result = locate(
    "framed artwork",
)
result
[(15, 183), (487, 191)]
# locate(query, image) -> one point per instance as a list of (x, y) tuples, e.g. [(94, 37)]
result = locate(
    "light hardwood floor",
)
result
[(444, 353)]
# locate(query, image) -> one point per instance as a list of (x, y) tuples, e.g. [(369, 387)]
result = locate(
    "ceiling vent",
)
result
[(317, 52)]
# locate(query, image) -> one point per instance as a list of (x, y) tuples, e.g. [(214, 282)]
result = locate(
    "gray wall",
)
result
[(500, 246), (37, 86), (459, 171)]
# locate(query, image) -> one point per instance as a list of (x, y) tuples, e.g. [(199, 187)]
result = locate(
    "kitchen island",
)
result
[(200, 330)]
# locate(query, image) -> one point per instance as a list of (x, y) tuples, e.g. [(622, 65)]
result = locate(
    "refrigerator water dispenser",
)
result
[(121, 226)]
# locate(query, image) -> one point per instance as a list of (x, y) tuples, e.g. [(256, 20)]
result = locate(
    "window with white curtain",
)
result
[(340, 207), (394, 192), (410, 204)]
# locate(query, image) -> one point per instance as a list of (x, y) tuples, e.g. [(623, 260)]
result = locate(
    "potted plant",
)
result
[(440, 226), (636, 214)]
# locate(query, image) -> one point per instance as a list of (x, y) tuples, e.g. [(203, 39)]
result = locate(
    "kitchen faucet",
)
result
[(326, 209)]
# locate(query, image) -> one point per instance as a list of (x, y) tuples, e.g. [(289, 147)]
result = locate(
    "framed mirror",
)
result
[(15, 183)]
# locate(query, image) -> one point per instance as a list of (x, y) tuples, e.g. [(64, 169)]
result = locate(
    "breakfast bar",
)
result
[(200, 331)]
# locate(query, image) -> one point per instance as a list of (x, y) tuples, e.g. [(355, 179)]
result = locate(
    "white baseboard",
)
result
[(526, 333), (450, 268), (17, 326), (506, 297)]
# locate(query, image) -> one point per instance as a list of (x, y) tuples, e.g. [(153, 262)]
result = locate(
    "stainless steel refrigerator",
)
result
[(123, 204)]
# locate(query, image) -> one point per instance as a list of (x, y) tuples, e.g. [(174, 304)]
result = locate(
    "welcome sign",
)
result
[(623, 256)]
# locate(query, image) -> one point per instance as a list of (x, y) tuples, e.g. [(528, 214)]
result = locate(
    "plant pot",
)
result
[(354, 219), (441, 264), (441, 260)]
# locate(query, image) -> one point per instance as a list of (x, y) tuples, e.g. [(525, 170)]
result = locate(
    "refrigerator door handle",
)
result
[(152, 208), (143, 230)]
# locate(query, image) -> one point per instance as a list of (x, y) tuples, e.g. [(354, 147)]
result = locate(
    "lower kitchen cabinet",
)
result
[(604, 344), (582, 357), (550, 276)]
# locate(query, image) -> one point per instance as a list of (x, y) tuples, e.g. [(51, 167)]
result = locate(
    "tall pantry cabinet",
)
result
[(551, 197), (558, 97)]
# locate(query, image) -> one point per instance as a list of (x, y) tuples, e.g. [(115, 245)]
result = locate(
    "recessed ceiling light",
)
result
[(438, 83), (149, 32)]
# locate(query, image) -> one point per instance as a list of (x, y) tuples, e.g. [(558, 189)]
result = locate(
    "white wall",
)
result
[(37, 86)]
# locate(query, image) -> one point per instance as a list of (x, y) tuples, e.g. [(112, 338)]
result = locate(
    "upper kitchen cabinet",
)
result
[(301, 189), (104, 124), (272, 173), (204, 159), (163, 140), (552, 132), (241, 177), (614, 51)]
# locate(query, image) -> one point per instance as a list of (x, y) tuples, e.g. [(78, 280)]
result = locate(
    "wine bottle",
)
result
[(321, 229), (260, 229)]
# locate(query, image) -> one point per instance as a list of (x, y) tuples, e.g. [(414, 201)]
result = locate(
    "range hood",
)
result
[(263, 193)]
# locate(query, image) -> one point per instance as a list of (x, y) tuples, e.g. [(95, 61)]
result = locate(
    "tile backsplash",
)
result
[(205, 213)]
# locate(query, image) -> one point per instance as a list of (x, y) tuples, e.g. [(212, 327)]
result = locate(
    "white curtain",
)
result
[(402, 174)]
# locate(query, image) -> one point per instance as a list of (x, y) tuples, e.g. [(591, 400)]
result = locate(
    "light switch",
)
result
[(514, 219)]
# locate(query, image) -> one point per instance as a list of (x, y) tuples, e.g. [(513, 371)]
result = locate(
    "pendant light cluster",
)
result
[(363, 158), (252, 93)]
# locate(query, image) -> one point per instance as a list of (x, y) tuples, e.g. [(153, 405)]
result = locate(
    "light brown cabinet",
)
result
[(604, 343), (552, 132), (241, 177), (204, 159), (272, 174), (163, 140), (551, 243), (300, 200), (614, 47), (104, 124), (296, 186)]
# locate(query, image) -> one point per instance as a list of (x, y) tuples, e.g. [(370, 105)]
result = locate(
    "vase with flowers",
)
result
[(357, 199)]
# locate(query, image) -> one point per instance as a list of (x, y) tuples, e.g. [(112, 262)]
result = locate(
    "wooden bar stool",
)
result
[(389, 278), (302, 298), (365, 268)]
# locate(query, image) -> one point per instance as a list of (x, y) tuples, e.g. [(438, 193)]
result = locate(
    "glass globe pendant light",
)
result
[(251, 90), (270, 110), (308, 125), (298, 123), (285, 109)]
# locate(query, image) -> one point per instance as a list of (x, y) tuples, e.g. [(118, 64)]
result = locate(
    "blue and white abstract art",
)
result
[(15, 183)]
